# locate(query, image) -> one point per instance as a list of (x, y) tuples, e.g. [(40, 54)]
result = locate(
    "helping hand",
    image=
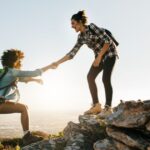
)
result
[(54, 65)]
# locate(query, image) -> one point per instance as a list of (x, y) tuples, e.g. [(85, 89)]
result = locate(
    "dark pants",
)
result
[(107, 67)]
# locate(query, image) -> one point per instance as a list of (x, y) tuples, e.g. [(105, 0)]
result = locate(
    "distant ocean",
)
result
[(49, 122)]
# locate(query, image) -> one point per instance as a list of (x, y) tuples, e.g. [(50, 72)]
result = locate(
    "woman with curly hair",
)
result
[(10, 75), (104, 48)]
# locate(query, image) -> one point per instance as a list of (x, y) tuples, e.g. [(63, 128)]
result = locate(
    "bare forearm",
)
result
[(64, 59), (45, 68)]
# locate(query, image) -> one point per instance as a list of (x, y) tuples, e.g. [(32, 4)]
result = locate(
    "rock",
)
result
[(56, 144), (74, 136), (129, 137), (82, 136), (148, 126), (110, 144), (46, 144), (71, 130), (105, 144), (130, 114), (77, 142), (90, 123)]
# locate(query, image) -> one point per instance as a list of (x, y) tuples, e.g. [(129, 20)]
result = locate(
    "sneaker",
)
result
[(28, 138), (95, 109), (105, 112)]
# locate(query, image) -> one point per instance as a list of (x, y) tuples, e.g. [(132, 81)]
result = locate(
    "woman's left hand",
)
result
[(97, 61)]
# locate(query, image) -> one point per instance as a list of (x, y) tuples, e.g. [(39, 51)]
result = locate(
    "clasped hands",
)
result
[(54, 65)]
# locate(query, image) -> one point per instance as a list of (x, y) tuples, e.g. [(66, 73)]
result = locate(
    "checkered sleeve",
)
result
[(76, 48), (100, 32)]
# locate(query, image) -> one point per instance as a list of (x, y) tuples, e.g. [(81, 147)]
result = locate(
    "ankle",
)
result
[(96, 104), (25, 132), (107, 106)]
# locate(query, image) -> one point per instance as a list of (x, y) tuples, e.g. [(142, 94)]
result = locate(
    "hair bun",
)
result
[(81, 13), (80, 17)]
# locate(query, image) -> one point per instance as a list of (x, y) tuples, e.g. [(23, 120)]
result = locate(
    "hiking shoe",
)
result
[(95, 109), (105, 112), (28, 138)]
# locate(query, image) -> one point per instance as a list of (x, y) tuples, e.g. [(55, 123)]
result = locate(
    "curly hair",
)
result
[(10, 57), (80, 17)]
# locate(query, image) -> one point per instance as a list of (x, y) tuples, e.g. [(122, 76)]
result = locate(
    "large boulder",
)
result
[(130, 137), (95, 127), (75, 139), (81, 136), (130, 114)]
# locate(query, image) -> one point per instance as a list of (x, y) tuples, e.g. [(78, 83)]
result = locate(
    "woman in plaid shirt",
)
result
[(104, 49)]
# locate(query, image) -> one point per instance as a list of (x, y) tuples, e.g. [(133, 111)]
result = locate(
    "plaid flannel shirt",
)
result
[(94, 41)]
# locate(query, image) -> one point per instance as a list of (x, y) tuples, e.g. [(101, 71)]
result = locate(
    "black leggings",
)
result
[(107, 67)]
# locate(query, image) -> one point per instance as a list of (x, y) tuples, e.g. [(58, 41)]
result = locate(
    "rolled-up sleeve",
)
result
[(76, 48), (100, 32), (20, 73)]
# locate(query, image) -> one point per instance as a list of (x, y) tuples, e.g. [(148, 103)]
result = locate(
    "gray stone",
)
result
[(75, 137), (129, 137), (71, 130), (130, 114), (51, 144), (46, 144), (110, 144), (90, 123), (148, 126)]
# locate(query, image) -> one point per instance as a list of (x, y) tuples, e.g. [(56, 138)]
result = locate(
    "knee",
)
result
[(24, 108)]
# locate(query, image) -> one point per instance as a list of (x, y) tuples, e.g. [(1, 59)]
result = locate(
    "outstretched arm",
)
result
[(69, 55), (54, 65)]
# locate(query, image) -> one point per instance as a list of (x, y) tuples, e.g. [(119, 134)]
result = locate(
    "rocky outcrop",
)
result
[(131, 138), (130, 114), (83, 135), (127, 128), (76, 136)]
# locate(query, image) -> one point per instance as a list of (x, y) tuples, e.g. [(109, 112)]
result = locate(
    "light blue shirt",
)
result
[(11, 92)]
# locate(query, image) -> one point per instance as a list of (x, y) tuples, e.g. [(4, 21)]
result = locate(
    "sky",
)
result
[(42, 30)]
